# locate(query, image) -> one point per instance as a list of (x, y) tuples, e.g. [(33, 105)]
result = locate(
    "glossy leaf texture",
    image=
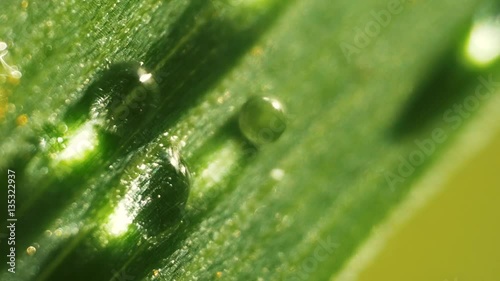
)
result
[(370, 88)]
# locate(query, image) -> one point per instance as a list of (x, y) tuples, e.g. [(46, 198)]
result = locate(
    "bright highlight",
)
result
[(119, 221), (483, 45), (81, 144)]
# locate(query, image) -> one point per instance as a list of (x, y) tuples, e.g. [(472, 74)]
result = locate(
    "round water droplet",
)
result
[(166, 191), (262, 120), (31, 250), (119, 100), (124, 99)]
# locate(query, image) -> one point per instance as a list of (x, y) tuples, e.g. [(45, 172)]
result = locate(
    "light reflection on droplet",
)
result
[(155, 196), (145, 77), (483, 44), (119, 221), (80, 144), (221, 161), (277, 174)]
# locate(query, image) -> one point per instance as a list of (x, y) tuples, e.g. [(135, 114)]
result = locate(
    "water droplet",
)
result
[(156, 197), (119, 100), (31, 250), (168, 190), (124, 104), (262, 120)]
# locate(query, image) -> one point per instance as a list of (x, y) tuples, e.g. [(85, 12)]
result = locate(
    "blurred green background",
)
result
[(455, 237)]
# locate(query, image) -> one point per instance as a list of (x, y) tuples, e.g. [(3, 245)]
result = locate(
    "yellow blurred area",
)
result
[(456, 236)]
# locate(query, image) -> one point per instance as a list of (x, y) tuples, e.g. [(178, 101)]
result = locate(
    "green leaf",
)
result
[(370, 90)]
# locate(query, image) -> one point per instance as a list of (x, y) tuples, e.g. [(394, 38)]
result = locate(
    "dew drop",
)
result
[(262, 120), (155, 198), (119, 100), (124, 101), (31, 250), (167, 190)]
